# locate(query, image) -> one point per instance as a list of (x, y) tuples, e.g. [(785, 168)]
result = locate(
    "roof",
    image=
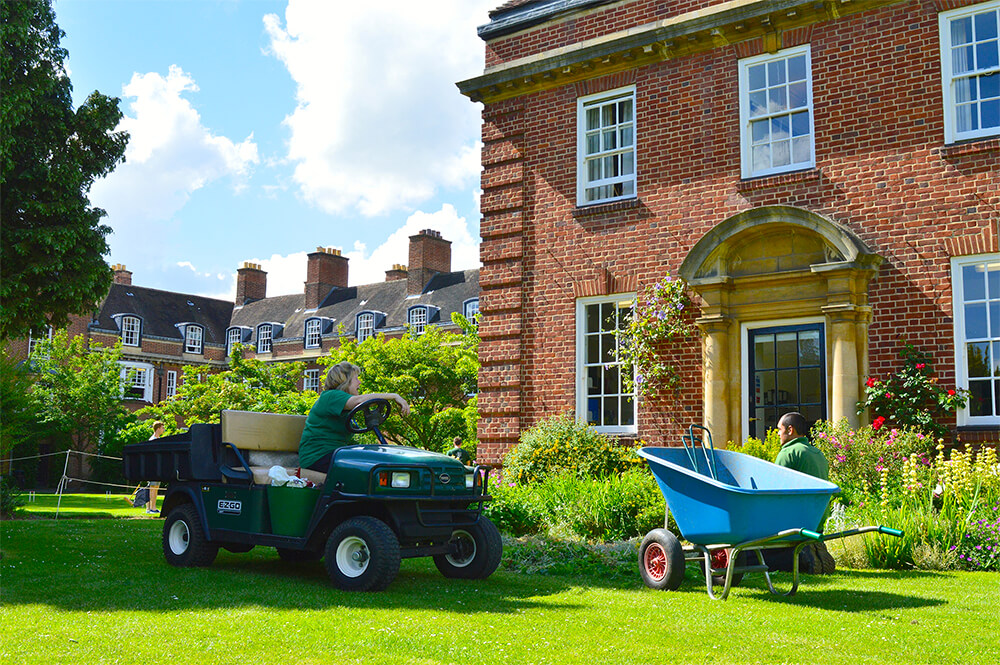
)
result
[(160, 311), (446, 291), (517, 15)]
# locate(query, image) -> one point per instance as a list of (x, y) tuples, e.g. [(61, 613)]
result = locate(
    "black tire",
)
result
[(819, 559), (298, 556), (661, 560), (480, 549), (237, 548), (362, 554), (184, 541)]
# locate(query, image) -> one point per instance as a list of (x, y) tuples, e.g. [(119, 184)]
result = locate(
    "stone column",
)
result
[(844, 391), (715, 361)]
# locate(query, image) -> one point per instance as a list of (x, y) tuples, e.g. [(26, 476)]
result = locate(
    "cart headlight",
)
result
[(400, 478), (470, 480)]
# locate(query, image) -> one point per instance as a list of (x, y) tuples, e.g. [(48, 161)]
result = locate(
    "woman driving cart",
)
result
[(326, 426)]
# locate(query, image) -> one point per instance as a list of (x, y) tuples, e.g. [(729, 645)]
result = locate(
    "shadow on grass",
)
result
[(115, 565)]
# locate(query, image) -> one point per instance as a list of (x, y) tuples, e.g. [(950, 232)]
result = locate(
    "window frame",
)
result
[(466, 306), (418, 328), (317, 333), (963, 416), (33, 340), (230, 341), (189, 336), (582, 364), (127, 329), (145, 370), (311, 376), (746, 133), (583, 104), (369, 331), (171, 386), (948, 78), (269, 338)]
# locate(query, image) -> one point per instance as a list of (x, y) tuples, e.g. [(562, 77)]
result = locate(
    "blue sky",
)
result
[(262, 129)]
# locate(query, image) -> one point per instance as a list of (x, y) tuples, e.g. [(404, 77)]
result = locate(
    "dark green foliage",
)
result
[(563, 444), (52, 241), (10, 497)]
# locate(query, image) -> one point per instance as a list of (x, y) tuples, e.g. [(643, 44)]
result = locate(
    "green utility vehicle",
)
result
[(377, 505)]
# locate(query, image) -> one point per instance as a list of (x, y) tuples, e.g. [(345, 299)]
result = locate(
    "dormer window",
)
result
[(131, 327), (366, 325), (233, 336), (194, 337), (34, 339), (471, 310), (264, 335), (417, 318), (313, 333)]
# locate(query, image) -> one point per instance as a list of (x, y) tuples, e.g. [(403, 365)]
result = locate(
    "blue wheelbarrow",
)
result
[(725, 503)]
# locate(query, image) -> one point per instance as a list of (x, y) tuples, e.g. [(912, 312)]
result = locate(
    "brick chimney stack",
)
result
[(251, 283), (429, 255), (327, 269), (397, 273), (122, 275)]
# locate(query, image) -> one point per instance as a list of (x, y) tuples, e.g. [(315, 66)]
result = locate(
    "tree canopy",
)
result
[(248, 385), (52, 240), (436, 372)]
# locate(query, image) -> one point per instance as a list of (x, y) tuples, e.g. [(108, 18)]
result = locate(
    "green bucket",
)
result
[(291, 509)]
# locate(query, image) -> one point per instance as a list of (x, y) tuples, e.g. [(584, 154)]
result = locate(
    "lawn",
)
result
[(99, 591)]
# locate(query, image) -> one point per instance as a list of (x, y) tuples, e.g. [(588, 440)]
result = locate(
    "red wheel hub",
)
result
[(655, 561), (720, 558)]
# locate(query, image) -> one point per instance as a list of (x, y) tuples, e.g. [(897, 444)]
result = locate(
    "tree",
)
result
[(436, 372), (248, 385), (19, 419), (52, 241), (78, 390)]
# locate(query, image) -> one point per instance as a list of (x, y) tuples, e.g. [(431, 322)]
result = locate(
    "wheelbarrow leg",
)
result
[(795, 571)]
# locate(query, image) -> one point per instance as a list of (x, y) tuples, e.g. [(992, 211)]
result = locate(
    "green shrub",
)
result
[(10, 497), (561, 444), (766, 449), (566, 506)]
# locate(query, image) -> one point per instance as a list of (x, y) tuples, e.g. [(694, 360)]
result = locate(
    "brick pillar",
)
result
[(430, 254), (122, 275), (501, 281), (251, 283), (327, 270)]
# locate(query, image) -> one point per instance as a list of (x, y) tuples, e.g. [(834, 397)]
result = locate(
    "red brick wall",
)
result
[(324, 272), (882, 171)]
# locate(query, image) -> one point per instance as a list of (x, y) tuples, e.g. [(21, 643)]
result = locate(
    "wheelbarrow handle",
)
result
[(890, 532), (811, 534)]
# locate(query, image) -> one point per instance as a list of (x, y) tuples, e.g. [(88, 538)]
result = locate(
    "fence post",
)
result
[(62, 482)]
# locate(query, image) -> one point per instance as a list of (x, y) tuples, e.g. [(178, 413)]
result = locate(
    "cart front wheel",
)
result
[(661, 560)]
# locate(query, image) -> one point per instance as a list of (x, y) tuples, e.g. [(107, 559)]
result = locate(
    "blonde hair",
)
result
[(338, 376)]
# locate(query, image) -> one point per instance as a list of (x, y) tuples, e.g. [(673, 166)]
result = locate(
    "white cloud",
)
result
[(170, 154), (379, 124), (286, 274)]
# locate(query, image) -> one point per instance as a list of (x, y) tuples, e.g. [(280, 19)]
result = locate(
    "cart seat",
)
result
[(268, 439)]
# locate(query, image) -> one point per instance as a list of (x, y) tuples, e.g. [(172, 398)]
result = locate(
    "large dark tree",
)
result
[(53, 243)]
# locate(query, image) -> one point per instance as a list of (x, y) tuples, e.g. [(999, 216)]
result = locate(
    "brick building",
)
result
[(824, 175), (163, 331)]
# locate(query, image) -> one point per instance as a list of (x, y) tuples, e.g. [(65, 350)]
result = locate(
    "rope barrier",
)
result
[(94, 482), (65, 479), (62, 452)]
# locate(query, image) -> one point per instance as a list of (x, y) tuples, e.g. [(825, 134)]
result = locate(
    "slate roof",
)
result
[(521, 14), (446, 291), (161, 310)]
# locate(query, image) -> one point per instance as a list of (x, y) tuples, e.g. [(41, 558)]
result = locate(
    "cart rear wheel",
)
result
[(661, 560), (184, 541)]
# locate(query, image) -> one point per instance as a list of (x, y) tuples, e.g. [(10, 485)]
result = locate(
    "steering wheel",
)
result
[(372, 413)]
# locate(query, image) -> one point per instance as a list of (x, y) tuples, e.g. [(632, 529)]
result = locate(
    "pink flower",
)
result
[(871, 382), (920, 365)]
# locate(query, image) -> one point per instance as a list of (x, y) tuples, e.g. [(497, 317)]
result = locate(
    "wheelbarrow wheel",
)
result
[(720, 559), (661, 560)]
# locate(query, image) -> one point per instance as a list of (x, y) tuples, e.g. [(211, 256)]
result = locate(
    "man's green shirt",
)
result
[(803, 456)]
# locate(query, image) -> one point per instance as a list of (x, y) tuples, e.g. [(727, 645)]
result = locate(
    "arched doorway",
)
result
[(785, 318)]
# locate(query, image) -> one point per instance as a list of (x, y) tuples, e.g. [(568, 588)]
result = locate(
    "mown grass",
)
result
[(99, 591), (81, 505)]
